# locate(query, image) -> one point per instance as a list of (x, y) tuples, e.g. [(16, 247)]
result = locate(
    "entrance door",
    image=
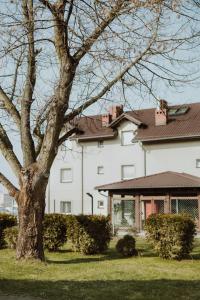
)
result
[(151, 207)]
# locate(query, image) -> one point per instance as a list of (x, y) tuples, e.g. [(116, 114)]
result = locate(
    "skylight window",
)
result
[(178, 111)]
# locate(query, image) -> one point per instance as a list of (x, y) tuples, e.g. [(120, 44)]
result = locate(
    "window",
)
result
[(100, 144), (65, 207), (100, 170), (198, 163), (66, 175), (100, 204), (178, 111), (128, 171), (126, 138)]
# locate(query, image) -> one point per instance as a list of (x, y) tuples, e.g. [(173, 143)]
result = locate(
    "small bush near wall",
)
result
[(6, 221), (54, 235), (89, 234), (126, 246), (11, 236), (172, 235)]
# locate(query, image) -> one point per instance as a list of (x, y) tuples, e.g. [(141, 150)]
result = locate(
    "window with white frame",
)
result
[(65, 207), (100, 144), (100, 204), (198, 163), (66, 175), (128, 171), (127, 137), (100, 170)]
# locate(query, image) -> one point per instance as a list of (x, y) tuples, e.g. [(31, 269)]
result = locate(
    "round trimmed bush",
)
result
[(126, 246), (54, 231), (89, 234), (171, 235)]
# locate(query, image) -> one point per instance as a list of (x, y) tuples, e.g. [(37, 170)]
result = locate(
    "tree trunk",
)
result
[(31, 205)]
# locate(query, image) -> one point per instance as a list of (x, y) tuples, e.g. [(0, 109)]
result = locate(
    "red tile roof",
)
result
[(184, 126), (161, 180)]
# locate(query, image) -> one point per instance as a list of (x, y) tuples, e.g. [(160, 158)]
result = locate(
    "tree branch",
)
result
[(7, 104), (99, 30), (89, 102), (27, 99), (7, 151), (67, 135), (13, 191)]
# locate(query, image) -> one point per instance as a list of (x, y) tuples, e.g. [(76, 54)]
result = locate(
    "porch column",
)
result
[(198, 212), (167, 205), (137, 213), (110, 200)]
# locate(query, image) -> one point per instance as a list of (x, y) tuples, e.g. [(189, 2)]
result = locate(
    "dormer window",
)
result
[(178, 111), (127, 137)]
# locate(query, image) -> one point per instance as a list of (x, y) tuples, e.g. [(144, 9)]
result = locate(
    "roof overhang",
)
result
[(123, 117), (164, 180), (166, 138)]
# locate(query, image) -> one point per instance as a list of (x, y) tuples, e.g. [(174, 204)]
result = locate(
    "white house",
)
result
[(119, 146)]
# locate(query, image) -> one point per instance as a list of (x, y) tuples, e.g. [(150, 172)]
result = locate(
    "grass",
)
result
[(67, 275)]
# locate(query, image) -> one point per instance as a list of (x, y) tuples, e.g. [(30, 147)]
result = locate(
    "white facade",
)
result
[(89, 164)]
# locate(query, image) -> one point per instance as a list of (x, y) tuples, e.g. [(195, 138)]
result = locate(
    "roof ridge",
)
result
[(137, 178)]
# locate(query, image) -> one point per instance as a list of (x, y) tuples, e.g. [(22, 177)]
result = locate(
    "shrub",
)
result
[(126, 246), (171, 235), (54, 231), (6, 221), (89, 234), (10, 236)]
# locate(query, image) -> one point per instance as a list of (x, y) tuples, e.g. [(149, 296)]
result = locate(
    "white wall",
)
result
[(112, 156), (70, 191), (177, 157)]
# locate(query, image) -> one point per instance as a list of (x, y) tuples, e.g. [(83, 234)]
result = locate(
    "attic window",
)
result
[(178, 111)]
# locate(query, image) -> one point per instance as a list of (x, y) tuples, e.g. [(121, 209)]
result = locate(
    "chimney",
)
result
[(105, 119), (115, 111), (161, 114)]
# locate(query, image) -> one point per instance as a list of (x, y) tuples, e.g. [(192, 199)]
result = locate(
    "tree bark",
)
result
[(31, 203)]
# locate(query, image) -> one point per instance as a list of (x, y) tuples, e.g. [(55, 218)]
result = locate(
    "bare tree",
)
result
[(58, 58)]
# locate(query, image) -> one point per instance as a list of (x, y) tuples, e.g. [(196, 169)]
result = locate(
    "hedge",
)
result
[(6, 220), (11, 236), (54, 231), (172, 235), (126, 246), (89, 234)]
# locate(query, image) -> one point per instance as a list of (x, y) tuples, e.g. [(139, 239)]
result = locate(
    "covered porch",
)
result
[(132, 201)]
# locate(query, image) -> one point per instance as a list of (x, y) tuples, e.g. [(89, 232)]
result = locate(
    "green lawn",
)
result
[(67, 275)]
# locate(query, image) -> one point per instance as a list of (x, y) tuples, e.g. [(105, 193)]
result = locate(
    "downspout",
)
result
[(144, 158), (48, 193), (82, 179), (145, 161)]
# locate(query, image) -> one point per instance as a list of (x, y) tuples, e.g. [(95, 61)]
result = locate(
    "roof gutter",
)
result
[(167, 138), (93, 138)]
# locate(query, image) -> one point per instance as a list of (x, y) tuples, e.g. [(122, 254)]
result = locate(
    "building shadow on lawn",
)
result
[(110, 254), (164, 289)]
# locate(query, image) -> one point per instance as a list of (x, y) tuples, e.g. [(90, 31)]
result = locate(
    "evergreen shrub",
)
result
[(172, 235)]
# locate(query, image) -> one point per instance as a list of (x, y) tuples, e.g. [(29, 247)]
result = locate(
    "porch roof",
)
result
[(165, 180)]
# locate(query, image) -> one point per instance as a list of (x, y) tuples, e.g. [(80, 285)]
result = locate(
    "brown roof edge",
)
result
[(168, 179), (168, 138), (127, 117), (96, 137)]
